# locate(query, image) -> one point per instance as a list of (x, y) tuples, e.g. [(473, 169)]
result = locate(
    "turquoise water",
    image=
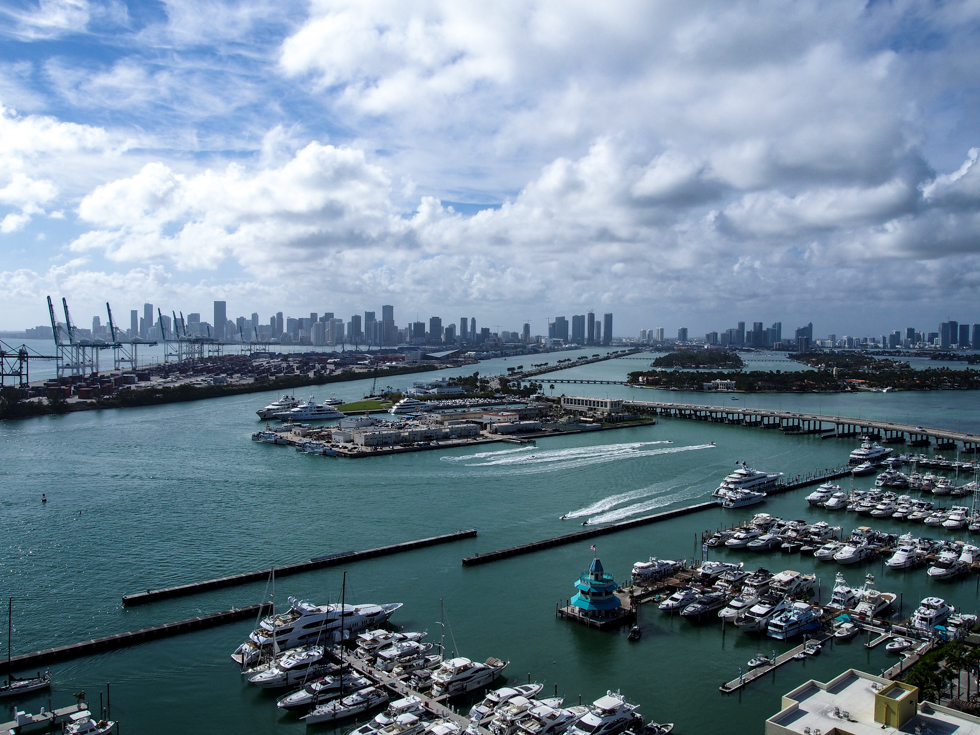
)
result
[(157, 496)]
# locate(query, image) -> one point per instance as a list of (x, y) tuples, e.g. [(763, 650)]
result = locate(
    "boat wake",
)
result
[(534, 459), (644, 507)]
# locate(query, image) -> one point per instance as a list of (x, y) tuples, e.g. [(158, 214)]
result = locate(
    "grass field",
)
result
[(371, 405)]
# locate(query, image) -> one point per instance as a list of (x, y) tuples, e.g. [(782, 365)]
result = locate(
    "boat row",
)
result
[(289, 409), (768, 533)]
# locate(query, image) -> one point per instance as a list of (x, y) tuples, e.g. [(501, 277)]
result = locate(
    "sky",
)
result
[(678, 164)]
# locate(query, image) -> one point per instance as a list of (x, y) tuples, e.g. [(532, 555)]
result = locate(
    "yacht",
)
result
[(884, 509), (406, 724), (442, 726), (680, 599), (712, 570), (865, 468), (822, 494), (293, 668), (705, 607), (310, 411), (353, 704), (371, 641), (957, 518), (745, 478), (400, 652), (741, 539), (869, 452), (483, 711), (718, 538), (798, 619), (791, 583), (284, 403), (608, 715), (948, 566), (844, 597), (906, 555), (756, 620), (408, 406), (765, 542), (545, 720), (932, 611), (644, 571), (827, 551), (741, 499), (837, 501), (507, 715), (873, 602), (737, 606), (323, 689), (460, 675), (81, 723), (305, 623), (854, 554)]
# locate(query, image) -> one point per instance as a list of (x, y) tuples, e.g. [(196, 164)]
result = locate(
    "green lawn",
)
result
[(371, 405)]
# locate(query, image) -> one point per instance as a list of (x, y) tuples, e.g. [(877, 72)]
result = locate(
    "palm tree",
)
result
[(954, 663), (971, 659)]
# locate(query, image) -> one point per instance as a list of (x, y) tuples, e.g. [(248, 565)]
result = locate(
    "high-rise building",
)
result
[(740, 334), (945, 335), (578, 329), (356, 334), (561, 328), (590, 328), (598, 333), (389, 334), (463, 328), (659, 336), (134, 323), (682, 334), (910, 335), (976, 336), (449, 334), (435, 329), (473, 329), (527, 333), (147, 321), (220, 320), (964, 338), (318, 334), (711, 338), (758, 335), (279, 326), (607, 332)]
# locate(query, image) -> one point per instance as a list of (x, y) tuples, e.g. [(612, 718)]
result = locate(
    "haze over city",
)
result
[(680, 165)]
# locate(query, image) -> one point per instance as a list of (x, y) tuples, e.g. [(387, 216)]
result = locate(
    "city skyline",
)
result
[(818, 164)]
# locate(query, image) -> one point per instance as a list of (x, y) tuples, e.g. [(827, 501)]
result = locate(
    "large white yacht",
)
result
[(791, 583), (906, 555), (283, 403), (408, 406), (844, 597), (608, 715), (757, 618), (483, 711), (460, 675), (741, 498), (310, 411), (323, 690), (544, 720), (305, 623), (873, 602), (410, 705), (293, 668), (800, 618), (947, 566), (349, 706), (745, 478), (932, 611), (869, 452)]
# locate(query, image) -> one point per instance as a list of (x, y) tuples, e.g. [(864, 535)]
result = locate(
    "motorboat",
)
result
[(932, 611), (791, 583), (310, 411), (837, 501), (765, 542), (828, 550), (957, 518), (800, 618), (741, 539), (822, 494), (407, 724), (947, 566), (507, 715), (869, 452), (884, 509), (608, 715), (636, 633), (844, 597), (969, 554), (444, 726), (812, 648), (738, 605), (460, 675), (646, 571), (423, 663), (280, 405), (349, 706), (399, 652), (305, 623), (408, 406), (680, 599), (757, 618), (323, 689), (854, 554), (293, 668), (718, 538), (845, 631), (741, 499), (936, 518), (865, 468), (483, 711), (760, 659), (705, 607), (658, 728), (82, 723), (757, 583), (545, 720), (873, 602), (906, 555), (371, 641), (709, 571), (897, 645), (746, 478)]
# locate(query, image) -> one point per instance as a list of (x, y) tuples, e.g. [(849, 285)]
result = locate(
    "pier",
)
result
[(38, 659), (743, 680), (812, 423), (43, 720), (321, 562)]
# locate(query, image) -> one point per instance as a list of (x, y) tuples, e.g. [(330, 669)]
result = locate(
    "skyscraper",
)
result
[(463, 328), (473, 328), (682, 334), (561, 328), (590, 328), (435, 329), (370, 328), (134, 324), (147, 321), (976, 336), (578, 329), (389, 335), (279, 325), (740, 336), (964, 339), (607, 333), (527, 333), (355, 331), (220, 320)]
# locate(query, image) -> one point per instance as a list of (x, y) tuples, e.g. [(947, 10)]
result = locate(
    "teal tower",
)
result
[(595, 596)]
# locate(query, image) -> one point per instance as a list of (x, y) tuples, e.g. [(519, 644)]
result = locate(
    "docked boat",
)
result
[(483, 711), (800, 618), (400, 652), (718, 538), (608, 715), (906, 555), (545, 720), (407, 724), (822, 494), (873, 602), (293, 668), (349, 706), (646, 571), (757, 618), (957, 518), (844, 597), (948, 566), (735, 607), (932, 611), (323, 689), (680, 599), (306, 623), (710, 571), (854, 554), (741, 499), (371, 641), (828, 550), (14, 686), (658, 728), (82, 723), (408, 406), (845, 631), (310, 411), (791, 583), (705, 607), (760, 659), (897, 645), (765, 542), (281, 405), (745, 478), (837, 501), (443, 726), (869, 452), (507, 716), (742, 538), (460, 675), (865, 468)]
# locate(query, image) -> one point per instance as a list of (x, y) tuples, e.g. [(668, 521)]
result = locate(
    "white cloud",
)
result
[(51, 18)]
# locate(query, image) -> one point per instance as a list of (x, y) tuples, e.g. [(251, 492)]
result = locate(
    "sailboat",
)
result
[(15, 687)]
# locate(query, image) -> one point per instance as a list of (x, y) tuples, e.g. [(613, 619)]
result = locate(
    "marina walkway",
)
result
[(813, 423), (43, 720), (743, 680)]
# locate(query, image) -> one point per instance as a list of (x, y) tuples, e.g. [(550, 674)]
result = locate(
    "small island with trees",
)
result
[(700, 360)]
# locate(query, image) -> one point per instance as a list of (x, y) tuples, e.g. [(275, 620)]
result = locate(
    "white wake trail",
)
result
[(611, 502), (632, 510), (484, 455)]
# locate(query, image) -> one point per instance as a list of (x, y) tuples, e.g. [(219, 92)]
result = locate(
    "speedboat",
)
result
[(845, 631), (760, 659), (658, 728), (745, 478), (869, 452), (305, 623), (800, 618), (948, 566), (310, 411), (897, 645), (293, 668), (812, 648), (680, 599), (483, 711), (460, 675), (742, 498), (349, 706), (705, 607), (284, 403), (873, 602), (608, 715), (323, 689), (822, 494), (757, 618), (932, 611), (81, 723)]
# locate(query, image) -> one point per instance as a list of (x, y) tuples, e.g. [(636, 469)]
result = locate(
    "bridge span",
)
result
[(889, 432)]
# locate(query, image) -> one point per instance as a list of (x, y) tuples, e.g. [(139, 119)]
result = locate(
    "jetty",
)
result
[(784, 658), (812, 423), (45, 719), (28, 661), (320, 562)]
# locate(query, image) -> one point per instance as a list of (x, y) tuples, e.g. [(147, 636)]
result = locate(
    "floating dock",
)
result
[(43, 720), (37, 659), (752, 674), (322, 562)]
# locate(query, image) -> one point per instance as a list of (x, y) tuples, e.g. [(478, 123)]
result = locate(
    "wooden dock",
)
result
[(745, 679), (43, 720), (30, 661), (322, 562)]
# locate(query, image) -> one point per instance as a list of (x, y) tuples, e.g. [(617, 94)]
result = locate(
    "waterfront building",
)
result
[(527, 334), (590, 328), (720, 386), (607, 329), (578, 329), (560, 328), (682, 334), (660, 334), (147, 323), (586, 405), (435, 330), (463, 331), (596, 593), (864, 704), (220, 320)]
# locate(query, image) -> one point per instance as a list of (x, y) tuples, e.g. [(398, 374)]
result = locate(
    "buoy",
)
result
[(44, 498)]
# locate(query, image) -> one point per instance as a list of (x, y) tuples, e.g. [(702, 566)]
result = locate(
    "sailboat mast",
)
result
[(10, 629), (343, 603)]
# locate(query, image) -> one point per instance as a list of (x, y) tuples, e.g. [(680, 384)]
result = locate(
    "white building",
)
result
[(720, 386), (587, 405)]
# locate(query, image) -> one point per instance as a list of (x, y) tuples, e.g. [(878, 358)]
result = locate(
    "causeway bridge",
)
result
[(889, 432), (587, 382)]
